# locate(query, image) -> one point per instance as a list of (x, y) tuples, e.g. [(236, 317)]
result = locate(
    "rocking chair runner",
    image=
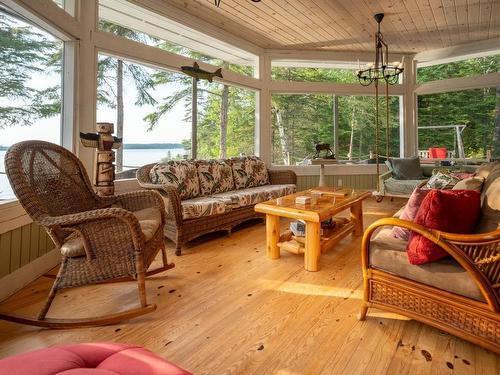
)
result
[(101, 239)]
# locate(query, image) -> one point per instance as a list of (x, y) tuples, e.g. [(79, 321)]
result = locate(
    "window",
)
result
[(134, 22), (30, 87), (439, 113), (298, 123), (150, 108), (226, 121), (357, 127), (283, 72), (152, 111), (457, 69)]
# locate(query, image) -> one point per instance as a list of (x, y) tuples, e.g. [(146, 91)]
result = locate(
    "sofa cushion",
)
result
[(149, 221), (490, 198), (406, 168), (389, 254), (96, 358), (249, 171), (400, 187), (470, 183), (409, 212), (205, 206), (455, 211), (215, 176), (441, 180), (252, 196), (181, 174)]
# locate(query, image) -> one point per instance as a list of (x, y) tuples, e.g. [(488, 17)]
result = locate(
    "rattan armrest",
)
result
[(480, 252), (279, 177), (140, 199), (97, 228)]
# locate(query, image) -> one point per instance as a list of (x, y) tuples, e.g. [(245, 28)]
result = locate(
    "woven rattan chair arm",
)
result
[(442, 239), (278, 177), (115, 220), (81, 217), (173, 205), (140, 199)]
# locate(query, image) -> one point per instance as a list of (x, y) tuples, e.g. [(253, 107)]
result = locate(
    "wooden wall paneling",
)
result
[(42, 242), (15, 249), (485, 15), (25, 244), (5, 241), (34, 241)]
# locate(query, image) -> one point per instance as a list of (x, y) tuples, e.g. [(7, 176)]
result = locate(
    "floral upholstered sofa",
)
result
[(203, 196)]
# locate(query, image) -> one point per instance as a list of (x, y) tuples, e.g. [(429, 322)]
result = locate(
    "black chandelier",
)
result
[(381, 69), (217, 2)]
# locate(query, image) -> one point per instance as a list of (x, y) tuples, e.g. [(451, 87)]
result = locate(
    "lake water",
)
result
[(131, 158)]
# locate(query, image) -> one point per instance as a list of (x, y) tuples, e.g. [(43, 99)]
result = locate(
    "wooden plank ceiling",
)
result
[(409, 26)]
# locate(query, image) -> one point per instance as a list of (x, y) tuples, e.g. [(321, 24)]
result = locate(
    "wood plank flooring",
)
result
[(226, 309)]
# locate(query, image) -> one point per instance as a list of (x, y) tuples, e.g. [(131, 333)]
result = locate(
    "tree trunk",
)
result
[(119, 113), (496, 137), (285, 152), (223, 122)]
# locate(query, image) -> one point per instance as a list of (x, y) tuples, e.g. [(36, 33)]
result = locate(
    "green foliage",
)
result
[(474, 108), (25, 51)]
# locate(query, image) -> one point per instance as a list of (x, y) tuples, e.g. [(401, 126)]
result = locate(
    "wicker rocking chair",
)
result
[(101, 239)]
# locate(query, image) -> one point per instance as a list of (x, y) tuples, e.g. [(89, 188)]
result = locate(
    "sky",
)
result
[(170, 129)]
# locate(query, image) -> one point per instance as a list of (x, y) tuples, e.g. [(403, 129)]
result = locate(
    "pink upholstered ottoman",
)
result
[(89, 359)]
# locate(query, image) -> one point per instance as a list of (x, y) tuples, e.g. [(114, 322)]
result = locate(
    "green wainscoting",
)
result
[(368, 181), (21, 246)]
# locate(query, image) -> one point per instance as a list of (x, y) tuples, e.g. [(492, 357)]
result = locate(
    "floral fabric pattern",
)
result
[(215, 176), (204, 206), (252, 196), (248, 172), (181, 175), (441, 180)]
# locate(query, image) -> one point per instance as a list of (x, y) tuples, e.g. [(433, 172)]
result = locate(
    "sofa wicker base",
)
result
[(465, 318), (198, 227)]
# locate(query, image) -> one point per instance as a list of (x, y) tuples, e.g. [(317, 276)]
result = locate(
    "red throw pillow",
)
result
[(455, 211), (409, 213)]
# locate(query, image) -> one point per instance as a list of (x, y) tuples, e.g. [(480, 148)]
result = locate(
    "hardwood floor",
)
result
[(227, 309)]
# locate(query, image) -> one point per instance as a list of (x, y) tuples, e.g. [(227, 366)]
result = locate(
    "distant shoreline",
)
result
[(152, 146), (138, 146)]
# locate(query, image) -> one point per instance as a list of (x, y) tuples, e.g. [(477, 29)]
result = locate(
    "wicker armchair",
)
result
[(101, 239), (464, 299)]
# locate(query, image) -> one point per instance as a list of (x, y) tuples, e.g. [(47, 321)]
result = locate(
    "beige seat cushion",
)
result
[(251, 196), (149, 221), (471, 183), (205, 206), (389, 254)]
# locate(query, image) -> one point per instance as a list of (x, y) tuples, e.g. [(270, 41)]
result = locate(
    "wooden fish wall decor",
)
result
[(196, 72)]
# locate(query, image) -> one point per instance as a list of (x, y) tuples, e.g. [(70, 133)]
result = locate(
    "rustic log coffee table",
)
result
[(321, 208)]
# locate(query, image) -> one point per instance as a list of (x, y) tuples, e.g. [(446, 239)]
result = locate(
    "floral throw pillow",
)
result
[(216, 176), (181, 175), (249, 171), (441, 180)]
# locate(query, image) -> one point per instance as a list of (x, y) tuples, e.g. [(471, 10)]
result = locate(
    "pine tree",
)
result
[(25, 51)]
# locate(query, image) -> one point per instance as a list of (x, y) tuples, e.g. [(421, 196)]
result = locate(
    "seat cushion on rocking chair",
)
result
[(90, 359), (149, 221)]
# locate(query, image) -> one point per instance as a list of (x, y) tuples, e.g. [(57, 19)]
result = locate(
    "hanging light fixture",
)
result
[(217, 2), (381, 71)]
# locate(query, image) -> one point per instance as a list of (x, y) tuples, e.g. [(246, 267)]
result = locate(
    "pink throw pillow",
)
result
[(409, 213)]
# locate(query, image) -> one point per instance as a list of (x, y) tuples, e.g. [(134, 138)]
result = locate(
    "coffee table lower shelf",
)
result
[(296, 245)]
